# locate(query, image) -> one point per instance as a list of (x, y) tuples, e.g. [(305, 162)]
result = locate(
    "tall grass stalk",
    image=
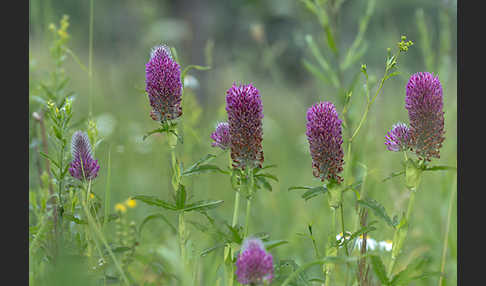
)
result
[(107, 191), (90, 56), (100, 235), (249, 185), (229, 250), (446, 233)]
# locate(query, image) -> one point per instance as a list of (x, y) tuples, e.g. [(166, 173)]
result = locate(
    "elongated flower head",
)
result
[(398, 138), (254, 264), (245, 114), (221, 136), (424, 104), (325, 140), (163, 85), (83, 166)]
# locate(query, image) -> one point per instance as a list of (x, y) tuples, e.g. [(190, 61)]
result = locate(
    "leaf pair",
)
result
[(404, 277)]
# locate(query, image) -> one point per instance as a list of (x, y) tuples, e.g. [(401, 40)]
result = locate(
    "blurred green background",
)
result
[(262, 42)]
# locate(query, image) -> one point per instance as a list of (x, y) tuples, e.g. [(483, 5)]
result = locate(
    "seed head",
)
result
[(163, 85), (325, 140), (245, 114), (424, 104)]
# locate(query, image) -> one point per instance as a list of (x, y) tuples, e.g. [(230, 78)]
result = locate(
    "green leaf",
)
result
[(206, 159), (300, 188), (394, 174), (181, 197), (407, 275), (235, 234), (317, 279), (315, 71), (274, 243), (361, 231), (111, 217), (203, 169), (121, 249), (314, 192), (378, 210), (73, 218), (379, 269), (202, 205), (391, 75), (154, 201), (267, 167), (440, 168), (210, 249), (264, 183), (158, 130), (155, 216), (330, 39), (353, 57), (46, 156), (266, 175), (311, 191), (190, 67)]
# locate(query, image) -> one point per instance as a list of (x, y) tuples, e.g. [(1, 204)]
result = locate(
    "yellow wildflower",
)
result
[(91, 196), (121, 208), (131, 203)]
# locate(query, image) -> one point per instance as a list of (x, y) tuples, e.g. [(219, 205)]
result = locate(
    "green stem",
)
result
[(90, 55), (182, 238), (370, 102), (342, 225), (97, 230), (446, 233), (328, 269), (229, 249), (247, 221), (301, 269), (411, 202), (236, 209)]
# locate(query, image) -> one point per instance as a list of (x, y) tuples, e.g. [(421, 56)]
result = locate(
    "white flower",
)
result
[(386, 245), (370, 243)]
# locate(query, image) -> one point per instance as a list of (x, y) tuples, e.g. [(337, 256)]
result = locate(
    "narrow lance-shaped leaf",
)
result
[(202, 205), (378, 210), (154, 201), (379, 269), (155, 216)]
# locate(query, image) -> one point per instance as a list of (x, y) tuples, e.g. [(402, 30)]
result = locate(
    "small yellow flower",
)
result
[(91, 196), (131, 203), (120, 208), (63, 34)]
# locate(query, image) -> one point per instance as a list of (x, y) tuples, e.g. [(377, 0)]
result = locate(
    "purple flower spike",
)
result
[(398, 138), (254, 265), (163, 85), (325, 140), (221, 136), (245, 114), (83, 166), (424, 104)]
